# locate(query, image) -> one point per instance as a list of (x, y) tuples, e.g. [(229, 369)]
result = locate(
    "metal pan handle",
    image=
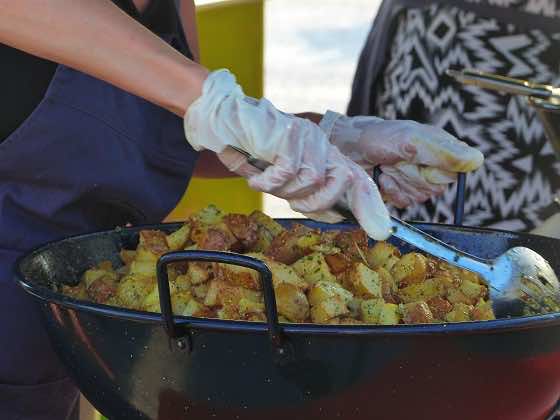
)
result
[(274, 330)]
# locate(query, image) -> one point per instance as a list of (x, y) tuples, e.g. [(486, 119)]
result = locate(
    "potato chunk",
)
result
[(133, 290), (313, 268), (389, 314), (383, 254), (363, 281), (460, 313), (483, 311), (291, 302), (328, 309), (178, 239), (410, 269), (417, 313), (421, 291), (370, 310), (324, 290)]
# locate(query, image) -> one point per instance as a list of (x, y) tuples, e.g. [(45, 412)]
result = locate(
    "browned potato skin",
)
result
[(417, 313), (284, 247), (102, 289), (244, 229), (439, 307), (381, 253), (338, 263), (153, 241), (353, 243), (291, 302)]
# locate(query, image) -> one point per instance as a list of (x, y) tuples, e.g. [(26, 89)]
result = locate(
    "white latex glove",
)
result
[(305, 168), (418, 161)]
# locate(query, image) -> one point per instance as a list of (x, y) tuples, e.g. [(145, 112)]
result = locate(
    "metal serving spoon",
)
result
[(521, 281)]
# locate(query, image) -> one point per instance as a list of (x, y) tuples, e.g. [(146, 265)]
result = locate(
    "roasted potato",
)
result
[(411, 268), (383, 254), (313, 268)]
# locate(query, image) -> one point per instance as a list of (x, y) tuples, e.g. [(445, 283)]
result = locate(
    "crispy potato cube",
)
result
[(421, 291), (439, 307), (244, 229), (212, 297), (370, 310), (142, 268), (388, 285), (313, 268), (416, 313), (217, 238), (195, 308), (94, 274), (410, 269), (353, 243), (455, 296), (459, 313), (328, 309), (389, 314), (198, 272), (239, 276), (152, 245), (183, 282), (267, 222), (291, 302), (338, 262), (199, 291), (264, 240), (364, 281), (472, 290), (483, 311), (324, 290), (284, 247), (248, 307), (309, 240), (77, 292), (178, 239), (209, 215), (133, 290), (102, 289), (382, 254)]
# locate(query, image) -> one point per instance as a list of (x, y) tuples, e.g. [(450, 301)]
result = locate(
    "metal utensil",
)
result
[(521, 281), (505, 84)]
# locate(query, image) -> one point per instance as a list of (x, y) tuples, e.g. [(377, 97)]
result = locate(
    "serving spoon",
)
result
[(520, 281)]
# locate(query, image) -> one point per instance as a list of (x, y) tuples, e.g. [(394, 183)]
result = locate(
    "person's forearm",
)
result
[(97, 38)]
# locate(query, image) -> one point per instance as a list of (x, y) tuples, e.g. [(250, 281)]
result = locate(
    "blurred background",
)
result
[(311, 50)]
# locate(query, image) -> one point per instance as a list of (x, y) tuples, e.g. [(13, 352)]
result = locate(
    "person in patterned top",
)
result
[(401, 75)]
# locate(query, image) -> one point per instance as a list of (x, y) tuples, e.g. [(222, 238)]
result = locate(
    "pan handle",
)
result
[(274, 330)]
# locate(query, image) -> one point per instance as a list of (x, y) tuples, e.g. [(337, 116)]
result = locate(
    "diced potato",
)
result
[(212, 297), (102, 289), (195, 308), (459, 313), (217, 238), (353, 243), (151, 301), (421, 291), (267, 222), (370, 310), (291, 302), (199, 291), (383, 254), (247, 306), (93, 274), (133, 290), (178, 239), (328, 309), (264, 240), (455, 296), (244, 229), (142, 268), (309, 240), (410, 269), (152, 245), (183, 282), (388, 285), (210, 215), (439, 307), (389, 314), (338, 262), (472, 290), (284, 247), (313, 268), (416, 313), (483, 311), (324, 290), (240, 276), (77, 292), (198, 272), (364, 281)]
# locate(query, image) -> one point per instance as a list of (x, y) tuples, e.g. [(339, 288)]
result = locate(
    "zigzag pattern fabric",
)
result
[(521, 174)]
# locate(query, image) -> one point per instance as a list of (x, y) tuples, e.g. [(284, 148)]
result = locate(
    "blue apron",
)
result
[(90, 157)]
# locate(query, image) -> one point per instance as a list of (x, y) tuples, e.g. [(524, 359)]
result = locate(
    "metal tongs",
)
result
[(520, 280), (504, 84)]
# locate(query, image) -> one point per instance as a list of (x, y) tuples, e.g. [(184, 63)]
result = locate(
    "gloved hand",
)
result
[(417, 160), (305, 168)]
